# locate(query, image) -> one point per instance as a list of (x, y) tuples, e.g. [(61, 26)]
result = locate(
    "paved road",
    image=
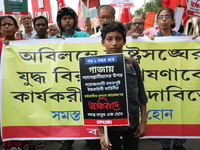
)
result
[(145, 144)]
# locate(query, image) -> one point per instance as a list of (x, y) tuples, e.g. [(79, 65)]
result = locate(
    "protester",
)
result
[(165, 21), (8, 27), (105, 13), (128, 27), (41, 26), (53, 30), (113, 39), (137, 27), (67, 21), (28, 32)]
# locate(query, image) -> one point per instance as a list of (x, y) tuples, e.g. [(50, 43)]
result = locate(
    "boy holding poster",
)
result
[(113, 39)]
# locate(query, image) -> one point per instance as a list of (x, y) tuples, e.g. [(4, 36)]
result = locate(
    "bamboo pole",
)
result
[(195, 23), (88, 5), (95, 29), (106, 134), (57, 5), (144, 6), (120, 9)]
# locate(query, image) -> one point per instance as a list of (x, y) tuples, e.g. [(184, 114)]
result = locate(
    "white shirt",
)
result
[(26, 36), (98, 34)]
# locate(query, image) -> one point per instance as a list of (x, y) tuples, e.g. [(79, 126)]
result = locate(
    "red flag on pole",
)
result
[(184, 17), (61, 3), (92, 3), (171, 3), (165, 3), (42, 7), (126, 15), (81, 22)]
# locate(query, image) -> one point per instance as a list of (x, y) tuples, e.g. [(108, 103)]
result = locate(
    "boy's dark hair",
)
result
[(40, 17), (112, 26)]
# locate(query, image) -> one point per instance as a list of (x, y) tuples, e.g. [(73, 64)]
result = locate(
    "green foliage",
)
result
[(138, 11), (152, 6)]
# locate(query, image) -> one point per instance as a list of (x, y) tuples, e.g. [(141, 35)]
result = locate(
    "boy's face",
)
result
[(113, 42)]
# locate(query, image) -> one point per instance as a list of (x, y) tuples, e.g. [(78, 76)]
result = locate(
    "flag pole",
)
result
[(120, 9), (57, 4), (106, 134), (144, 6), (88, 5)]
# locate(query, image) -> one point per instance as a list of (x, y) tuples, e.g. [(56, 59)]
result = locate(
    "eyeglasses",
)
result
[(28, 18), (139, 23), (162, 17), (107, 18)]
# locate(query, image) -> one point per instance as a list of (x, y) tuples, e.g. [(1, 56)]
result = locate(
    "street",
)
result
[(145, 144)]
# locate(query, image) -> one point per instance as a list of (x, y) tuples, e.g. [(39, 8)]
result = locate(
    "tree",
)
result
[(152, 6)]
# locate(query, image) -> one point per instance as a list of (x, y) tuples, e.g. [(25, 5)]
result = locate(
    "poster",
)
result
[(193, 8), (16, 7), (103, 90)]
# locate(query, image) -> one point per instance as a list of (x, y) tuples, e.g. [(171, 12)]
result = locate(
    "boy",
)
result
[(113, 39)]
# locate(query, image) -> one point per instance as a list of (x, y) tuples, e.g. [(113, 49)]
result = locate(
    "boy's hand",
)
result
[(141, 130), (103, 143)]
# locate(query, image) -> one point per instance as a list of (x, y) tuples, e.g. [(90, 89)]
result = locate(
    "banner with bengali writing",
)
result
[(40, 87)]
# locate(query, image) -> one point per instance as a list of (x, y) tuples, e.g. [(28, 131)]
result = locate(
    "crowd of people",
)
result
[(113, 34)]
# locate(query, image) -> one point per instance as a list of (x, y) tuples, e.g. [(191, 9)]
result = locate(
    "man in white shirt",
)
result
[(28, 32)]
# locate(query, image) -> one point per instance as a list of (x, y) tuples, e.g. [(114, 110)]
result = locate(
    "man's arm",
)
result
[(88, 26)]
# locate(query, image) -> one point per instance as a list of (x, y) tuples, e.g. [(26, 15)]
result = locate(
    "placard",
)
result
[(103, 90)]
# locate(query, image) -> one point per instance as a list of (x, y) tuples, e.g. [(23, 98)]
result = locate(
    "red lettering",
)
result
[(103, 103)]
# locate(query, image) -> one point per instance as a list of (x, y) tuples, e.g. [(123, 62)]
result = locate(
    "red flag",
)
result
[(42, 8), (61, 3), (92, 3), (170, 3), (173, 4), (149, 20), (165, 3), (81, 22), (184, 17), (126, 15)]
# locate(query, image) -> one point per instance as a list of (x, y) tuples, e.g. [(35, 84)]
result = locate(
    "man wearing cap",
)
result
[(67, 21)]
